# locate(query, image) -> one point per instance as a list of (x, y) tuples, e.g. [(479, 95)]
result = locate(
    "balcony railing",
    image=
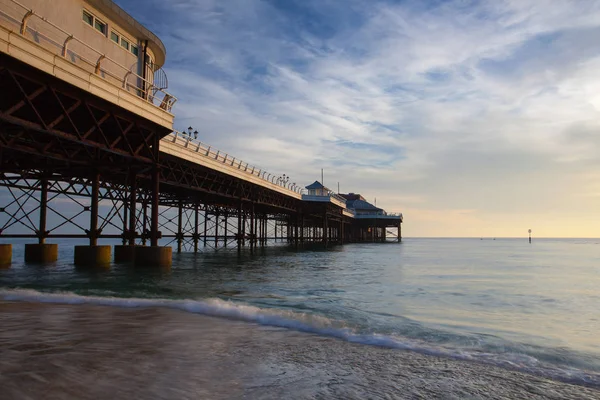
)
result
[(205, 150), (64, 44)]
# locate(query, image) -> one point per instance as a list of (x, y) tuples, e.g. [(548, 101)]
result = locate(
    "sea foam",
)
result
[(310, 323)]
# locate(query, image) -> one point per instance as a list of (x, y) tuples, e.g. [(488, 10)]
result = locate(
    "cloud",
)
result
[(486, 106)]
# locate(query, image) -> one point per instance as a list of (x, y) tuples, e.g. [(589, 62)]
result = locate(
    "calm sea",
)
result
[(531, 307)]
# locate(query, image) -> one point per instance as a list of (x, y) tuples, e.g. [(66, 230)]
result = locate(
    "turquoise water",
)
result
[(532, 307)]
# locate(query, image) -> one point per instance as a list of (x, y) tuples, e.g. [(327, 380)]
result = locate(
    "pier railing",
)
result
[(329, 197), (38, 29), (208, 151)]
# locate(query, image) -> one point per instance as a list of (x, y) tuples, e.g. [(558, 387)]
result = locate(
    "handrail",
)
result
[(337, 196), (208, 151), (148, 90)]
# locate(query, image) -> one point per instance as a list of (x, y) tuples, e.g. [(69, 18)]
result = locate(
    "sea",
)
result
[(425, 318)]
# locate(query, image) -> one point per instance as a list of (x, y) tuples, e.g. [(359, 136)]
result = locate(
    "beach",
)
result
[(62, 351)]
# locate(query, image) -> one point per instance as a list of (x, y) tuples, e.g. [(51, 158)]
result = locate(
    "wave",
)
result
[(315, 324)]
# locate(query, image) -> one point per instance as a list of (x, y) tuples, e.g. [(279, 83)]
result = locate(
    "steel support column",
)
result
[(42, 232), (93, 232), (226, 220), (196, 222), (132, 207), (154, 234), (240, 237), (180, 226), (205, 226), (252, 233), (325, 226), (216, 229)]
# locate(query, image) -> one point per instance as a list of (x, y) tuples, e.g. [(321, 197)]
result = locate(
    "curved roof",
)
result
[(117, 14)]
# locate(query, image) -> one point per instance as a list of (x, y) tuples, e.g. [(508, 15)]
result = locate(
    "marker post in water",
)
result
[(530, 236)]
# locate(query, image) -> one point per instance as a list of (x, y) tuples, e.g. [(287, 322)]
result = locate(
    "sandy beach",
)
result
[(97, 352)]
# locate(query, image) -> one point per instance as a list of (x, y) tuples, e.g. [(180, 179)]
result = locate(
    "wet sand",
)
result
[(54, 351)]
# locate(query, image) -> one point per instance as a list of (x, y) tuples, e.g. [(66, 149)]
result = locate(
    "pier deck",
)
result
[(77, 127)]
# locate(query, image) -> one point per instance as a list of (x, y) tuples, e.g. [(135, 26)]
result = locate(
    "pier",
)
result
[(88, 150)]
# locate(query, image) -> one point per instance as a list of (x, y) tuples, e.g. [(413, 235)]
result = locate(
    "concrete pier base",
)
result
[(5, 255), (154, 256), (92, 256), (124, 254), (41, 253)]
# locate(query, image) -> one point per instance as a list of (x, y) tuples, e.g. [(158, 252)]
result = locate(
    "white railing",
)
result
[(337, 196), (394, 214), (208, 151), (56, 39), (350, 211)]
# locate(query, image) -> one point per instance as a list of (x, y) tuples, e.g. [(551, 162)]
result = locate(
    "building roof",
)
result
[(315, 185), (361, 205), (352, 196)]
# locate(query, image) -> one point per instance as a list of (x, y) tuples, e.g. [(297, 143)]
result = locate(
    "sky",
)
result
[(472, 118)]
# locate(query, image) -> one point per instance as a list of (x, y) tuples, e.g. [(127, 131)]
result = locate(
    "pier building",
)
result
[(86, 120)]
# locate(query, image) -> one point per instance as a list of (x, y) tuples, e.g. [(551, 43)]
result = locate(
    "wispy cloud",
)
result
[(432, 107)]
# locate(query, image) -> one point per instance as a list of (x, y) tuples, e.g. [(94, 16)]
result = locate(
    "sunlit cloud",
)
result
[(433, 108)]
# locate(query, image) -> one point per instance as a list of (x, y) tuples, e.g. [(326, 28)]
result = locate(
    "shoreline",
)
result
[(93, 351)]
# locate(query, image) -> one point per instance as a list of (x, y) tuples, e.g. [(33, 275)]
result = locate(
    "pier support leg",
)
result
[(296, 235), (325, 222), (125, 211), (180, 226), (132, 208), (126, 253), (42, 233), (205, 227), (225, 223), (399, 232), (217, 229), (145, 222), (155, 234), (156, 256), (5, 255), (244, 218), (93, 255), (240, 238), (42, 253), (196, 222), (252, 228), (94, 232)]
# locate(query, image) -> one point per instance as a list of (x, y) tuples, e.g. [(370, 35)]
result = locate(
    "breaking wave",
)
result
[(315, 324)]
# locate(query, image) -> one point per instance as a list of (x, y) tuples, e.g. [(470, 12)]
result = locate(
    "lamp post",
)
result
[(190, 133)]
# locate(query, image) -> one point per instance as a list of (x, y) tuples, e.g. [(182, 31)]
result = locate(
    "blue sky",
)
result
[(473, 118)]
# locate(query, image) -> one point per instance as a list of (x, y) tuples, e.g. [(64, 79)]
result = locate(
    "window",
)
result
[(134, 50), (114, 37), (100, 26), (88, 18), (124, 44)]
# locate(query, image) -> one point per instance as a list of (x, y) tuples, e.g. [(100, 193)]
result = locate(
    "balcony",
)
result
[(31, 38)]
